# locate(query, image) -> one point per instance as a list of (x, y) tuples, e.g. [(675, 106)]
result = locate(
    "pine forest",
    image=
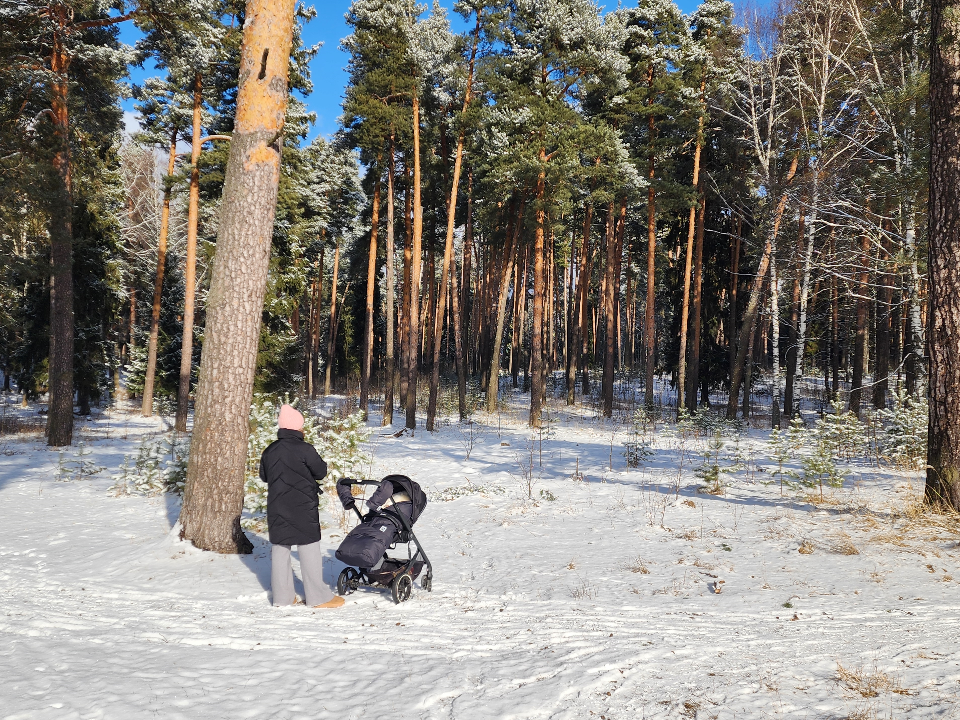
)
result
[(670, 229)]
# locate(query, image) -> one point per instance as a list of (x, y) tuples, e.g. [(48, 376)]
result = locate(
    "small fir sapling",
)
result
[(637, 449), (710, 471), (903, 442), (159, 467), (339, 440), (781, 451)]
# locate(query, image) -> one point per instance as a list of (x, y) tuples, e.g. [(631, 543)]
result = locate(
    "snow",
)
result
[(599, 603)]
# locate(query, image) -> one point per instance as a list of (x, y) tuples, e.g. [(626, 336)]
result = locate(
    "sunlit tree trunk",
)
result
[(413, 342), (213, 498), (691, 231), (693, 383), (538, 369), (190, 271), (371, 287), (389, 362), (609, 291), (943, 434), (146, 408)]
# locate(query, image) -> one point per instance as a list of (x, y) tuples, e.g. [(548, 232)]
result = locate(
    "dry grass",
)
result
[(842, 544), (915, 522), (869, 684), (806, 547), (638, 566)]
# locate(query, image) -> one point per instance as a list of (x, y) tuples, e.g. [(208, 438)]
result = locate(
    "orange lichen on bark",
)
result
[(262, 154), (262, 97)]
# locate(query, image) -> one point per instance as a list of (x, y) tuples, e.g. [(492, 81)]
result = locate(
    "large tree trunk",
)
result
[(146, 408), (213, 498), (753, 303), (413, 312), (943, 433), (60, 364), (371, 287), (693, 383), (389, 363), (190, 271), (863, 316)]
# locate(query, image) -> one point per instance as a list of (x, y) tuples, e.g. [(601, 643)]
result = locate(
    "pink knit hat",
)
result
[(290, 418)]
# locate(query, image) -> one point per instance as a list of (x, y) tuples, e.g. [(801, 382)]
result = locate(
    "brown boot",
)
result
[(335, 603)]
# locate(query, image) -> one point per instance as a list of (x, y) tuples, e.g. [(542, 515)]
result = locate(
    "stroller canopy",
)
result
[(418, 498)]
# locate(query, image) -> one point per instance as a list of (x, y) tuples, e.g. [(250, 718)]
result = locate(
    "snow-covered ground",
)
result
[(595, 599)]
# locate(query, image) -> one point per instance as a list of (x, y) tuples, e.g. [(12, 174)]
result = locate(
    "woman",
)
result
[(292, 469)]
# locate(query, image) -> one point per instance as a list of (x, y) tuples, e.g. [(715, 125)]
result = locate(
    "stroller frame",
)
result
[(401, 582)]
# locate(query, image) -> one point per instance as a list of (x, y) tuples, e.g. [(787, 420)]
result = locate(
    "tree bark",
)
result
[(863, 316), (609, 290), (146, 408), (413, 342), (580, 301), (190, 271), (943, 433), (389, 362), (685, 313), (371, 287), (213, 499), (405, 300), (697, 306), (537, 366), (60, 363)]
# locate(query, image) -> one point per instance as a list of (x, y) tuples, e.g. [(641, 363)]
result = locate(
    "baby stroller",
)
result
[(393, 509)]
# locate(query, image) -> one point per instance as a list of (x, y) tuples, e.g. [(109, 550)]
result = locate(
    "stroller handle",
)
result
[(350, 481)]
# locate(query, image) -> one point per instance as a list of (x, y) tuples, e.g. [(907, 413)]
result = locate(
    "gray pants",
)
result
[(311, 567)]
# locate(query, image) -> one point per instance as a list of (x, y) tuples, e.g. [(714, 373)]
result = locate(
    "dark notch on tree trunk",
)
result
[(263, 64)]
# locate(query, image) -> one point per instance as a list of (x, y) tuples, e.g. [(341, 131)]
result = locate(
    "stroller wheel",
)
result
[(427, 582), (401, 586), (347, 582)]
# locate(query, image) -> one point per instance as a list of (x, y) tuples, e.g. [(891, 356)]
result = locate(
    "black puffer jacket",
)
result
[(291, 468)]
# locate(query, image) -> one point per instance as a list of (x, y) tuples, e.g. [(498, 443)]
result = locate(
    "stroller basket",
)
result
[(365, 547)]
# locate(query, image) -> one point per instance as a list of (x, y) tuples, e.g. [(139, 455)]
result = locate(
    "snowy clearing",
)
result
[(626, 594)]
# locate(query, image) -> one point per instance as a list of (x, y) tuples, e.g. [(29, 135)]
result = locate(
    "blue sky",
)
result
[(329, 76)]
